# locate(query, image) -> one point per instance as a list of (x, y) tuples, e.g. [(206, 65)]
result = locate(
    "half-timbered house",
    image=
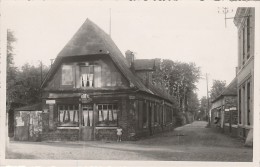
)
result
[(92, 89)]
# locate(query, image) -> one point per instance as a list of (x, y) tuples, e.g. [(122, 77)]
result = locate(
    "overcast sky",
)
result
[(180, 32)]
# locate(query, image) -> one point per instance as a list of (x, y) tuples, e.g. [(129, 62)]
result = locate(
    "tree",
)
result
[(11, 70), (23, 86), (178, 78), (30, 81), (217, 88)]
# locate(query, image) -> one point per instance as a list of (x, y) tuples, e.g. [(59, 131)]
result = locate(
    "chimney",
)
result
[(130, 57)]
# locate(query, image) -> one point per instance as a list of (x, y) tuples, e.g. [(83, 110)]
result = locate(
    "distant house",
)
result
[(245, 22), (224, 109), (91, 89)]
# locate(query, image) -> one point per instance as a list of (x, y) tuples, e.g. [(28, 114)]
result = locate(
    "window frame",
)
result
[(80, 75), (63, 75), (107, 122), (76, 111)]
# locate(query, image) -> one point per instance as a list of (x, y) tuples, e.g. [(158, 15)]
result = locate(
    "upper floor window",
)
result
[(87, 76), (244, 45), (248, 36), (66, 77), (90, 75)]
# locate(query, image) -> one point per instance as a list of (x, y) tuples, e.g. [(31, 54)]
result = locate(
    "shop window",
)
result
[(107, 114), (239, 106), (140, 114), (67, 75), (68, 115), (156, 113), (145, 112)]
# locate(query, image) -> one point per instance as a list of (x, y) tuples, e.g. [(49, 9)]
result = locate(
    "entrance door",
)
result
[(87, 122)]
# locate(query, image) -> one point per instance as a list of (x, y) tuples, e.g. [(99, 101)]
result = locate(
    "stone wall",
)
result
[(61, 135), (105, 134)]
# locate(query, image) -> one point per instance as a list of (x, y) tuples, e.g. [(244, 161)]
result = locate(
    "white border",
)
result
[(256, 149)]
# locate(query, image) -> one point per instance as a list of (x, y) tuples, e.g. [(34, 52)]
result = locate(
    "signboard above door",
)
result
[(84, 98)]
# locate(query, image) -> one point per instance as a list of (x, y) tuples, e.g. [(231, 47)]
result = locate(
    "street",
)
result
[(192, 142)]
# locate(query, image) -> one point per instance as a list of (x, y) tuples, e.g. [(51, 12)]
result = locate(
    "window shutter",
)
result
[(97, 76)]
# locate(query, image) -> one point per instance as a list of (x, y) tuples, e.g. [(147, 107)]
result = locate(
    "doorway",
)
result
[(87, 122)]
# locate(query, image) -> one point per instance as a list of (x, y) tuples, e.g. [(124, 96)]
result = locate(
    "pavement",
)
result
[(192, 142)]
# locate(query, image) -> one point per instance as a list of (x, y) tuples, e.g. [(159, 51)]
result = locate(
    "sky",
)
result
[(180, 32)]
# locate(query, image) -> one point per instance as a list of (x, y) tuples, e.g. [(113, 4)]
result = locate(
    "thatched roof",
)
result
[(91, 40)]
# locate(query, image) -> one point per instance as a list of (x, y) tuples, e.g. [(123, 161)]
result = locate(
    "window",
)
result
[(145, 112), (90, 75), (156, 113), (140, 114), (87, 76), (66, 76), (248, 37), (239, 106), (107, 114), (243, 104), (168, 115), (68, 115), (248, 103), (244, 45)]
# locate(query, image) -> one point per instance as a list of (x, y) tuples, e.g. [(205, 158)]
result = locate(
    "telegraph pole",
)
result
[(224, 11)]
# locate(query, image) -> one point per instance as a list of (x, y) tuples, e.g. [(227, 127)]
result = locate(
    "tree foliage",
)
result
[(23, 85), (179, 79), (203, 108), (11, 70), (217, 88)]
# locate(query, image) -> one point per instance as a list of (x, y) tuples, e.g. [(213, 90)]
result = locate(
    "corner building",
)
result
[(92, 89)]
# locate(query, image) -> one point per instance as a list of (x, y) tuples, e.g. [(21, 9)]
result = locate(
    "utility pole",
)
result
[(224, 11), (208, 99)]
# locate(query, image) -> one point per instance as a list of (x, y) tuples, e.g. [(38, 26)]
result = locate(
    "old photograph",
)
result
[(128, 81)]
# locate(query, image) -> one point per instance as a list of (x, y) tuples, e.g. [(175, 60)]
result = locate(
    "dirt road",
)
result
[(193, 142)]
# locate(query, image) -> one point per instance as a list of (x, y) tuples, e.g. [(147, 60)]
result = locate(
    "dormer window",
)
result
[(90, 75), (87, 76)]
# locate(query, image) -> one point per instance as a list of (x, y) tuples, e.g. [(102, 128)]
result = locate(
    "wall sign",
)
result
[(50, 101), (131, 97), (84, 98)]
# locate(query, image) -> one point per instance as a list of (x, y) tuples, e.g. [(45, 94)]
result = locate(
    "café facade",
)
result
[(92, 89)]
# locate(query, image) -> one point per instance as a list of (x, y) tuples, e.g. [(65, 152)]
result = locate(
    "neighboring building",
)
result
[(245, 22), (92, 89), (224, 109), (28, 122)]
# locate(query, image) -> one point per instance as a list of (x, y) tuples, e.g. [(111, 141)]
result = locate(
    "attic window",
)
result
[(67, 77), (87, 76), (90, 75)]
